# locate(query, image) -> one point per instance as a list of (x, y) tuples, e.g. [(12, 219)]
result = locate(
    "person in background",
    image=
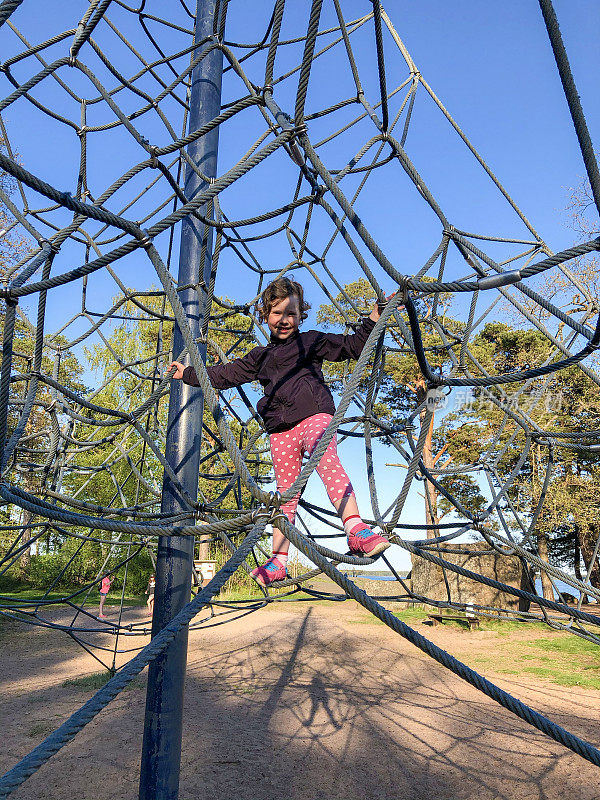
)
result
[(104, 590), (150, 593)]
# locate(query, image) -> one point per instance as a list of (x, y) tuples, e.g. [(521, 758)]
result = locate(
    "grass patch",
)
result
[(506, 671), (559, 657), (251, 593), (410, 616), (413, 615), (91, 682), (557, 674), (245, 689), (41, 729), (31, 594), (506, 627), (301, 595), (96, 680), (562, 658), (568, 643)]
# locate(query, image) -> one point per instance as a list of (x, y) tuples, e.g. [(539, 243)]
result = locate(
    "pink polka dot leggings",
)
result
[(287, 449)]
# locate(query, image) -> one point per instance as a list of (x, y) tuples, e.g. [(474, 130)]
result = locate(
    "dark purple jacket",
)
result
[(290, 373)]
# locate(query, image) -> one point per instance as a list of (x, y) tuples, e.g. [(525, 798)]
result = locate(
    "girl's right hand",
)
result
[(179, 367)]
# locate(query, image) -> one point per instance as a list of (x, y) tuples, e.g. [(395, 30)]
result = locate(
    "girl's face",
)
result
[(284, 317)]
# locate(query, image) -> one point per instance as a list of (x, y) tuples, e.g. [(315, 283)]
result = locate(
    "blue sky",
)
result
[(490, 64)]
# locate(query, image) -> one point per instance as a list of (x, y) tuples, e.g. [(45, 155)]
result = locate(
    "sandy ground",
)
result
[(302, 701)]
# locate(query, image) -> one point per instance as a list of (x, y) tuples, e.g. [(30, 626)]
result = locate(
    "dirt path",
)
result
[(306, 702)]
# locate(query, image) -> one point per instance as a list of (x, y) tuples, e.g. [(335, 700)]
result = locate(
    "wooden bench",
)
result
[(435, 619)]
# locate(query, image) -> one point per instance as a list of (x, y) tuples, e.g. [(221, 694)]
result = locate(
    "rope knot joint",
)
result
[(54, 247), (274, 500), (145, 240), (301, 129)]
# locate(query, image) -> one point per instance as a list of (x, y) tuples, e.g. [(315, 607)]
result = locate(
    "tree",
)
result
[(130, 364), (569, 518), (403, 386), (28, 466), (565, 401)]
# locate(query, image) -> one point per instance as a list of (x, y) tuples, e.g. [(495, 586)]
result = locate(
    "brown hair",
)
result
[(279, 289)]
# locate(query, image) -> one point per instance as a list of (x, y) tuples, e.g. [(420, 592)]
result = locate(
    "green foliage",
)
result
[(111, 466), (567, 401), (119, 470), (139, 570), (410, 615), (13, 245), (55, 360), (9, 582), (466, 491), (71, 566), (137, 479), (402, 381), (403, 386), (241, 585)]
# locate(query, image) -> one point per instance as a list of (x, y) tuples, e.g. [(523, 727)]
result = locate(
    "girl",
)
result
[(104, 590), (296, 408)]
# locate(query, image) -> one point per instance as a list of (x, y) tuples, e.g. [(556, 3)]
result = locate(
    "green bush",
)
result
[(10, 582), (69, 568), (139, 570), (45, 569)]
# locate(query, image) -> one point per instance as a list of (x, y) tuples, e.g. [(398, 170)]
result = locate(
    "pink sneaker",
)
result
[(367, 543), (270, 572)]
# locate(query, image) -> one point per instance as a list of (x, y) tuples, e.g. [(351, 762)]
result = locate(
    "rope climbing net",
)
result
[(89, 302)]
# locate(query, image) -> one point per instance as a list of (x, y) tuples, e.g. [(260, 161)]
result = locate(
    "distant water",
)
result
[(561, 586)]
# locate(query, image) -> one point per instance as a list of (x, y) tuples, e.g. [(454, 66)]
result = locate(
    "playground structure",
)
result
[(167, 201)]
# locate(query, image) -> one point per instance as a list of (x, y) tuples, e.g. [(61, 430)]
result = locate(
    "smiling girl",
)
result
[(296, 408)]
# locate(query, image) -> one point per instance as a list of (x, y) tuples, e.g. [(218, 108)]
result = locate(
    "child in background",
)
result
[(104, 590), (150, 593), (296, 408)]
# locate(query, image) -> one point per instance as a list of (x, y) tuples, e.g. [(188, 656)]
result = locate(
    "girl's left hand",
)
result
[(378, 307)]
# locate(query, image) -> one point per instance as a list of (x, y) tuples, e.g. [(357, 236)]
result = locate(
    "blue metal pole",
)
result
[(161, 749)]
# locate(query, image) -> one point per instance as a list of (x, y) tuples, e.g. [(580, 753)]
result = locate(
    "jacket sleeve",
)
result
[(226, 376), (342, 346)]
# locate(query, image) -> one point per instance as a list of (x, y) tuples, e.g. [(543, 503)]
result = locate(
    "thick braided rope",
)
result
[(566, 76), (7, 8)]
